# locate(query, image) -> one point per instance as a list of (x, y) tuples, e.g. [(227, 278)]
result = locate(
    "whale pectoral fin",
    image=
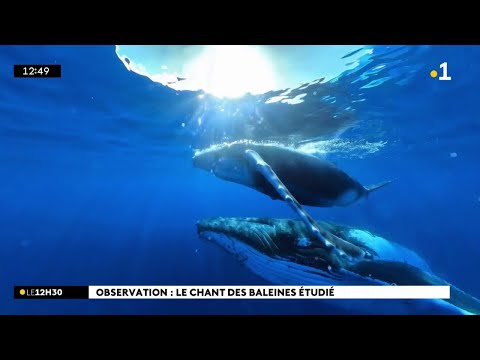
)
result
[(328, 240), (267, 172), (373, 187)]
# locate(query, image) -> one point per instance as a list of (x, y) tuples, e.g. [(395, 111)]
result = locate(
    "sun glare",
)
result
[(231, 71)]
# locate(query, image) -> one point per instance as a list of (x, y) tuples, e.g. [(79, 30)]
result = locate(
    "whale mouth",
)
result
[(276, 243), (257, 233), (278, 237), (285, 239)]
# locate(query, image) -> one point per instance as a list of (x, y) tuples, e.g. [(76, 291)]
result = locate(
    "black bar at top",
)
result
[(38, 71), (50, 292)]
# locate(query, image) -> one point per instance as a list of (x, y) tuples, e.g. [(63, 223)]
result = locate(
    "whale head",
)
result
[(282, 252), (227, 162)]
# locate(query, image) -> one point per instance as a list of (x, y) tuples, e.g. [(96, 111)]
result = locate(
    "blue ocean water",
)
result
[(97, 184)]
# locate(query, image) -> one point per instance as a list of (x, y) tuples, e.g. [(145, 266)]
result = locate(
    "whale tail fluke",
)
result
[(373, 187)]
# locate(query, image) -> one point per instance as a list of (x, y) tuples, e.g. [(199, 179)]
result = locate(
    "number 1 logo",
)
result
[(444, 67)]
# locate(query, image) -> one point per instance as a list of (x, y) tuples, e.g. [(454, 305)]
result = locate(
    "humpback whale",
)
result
[(293, 176), (312, 181), (284, 252)]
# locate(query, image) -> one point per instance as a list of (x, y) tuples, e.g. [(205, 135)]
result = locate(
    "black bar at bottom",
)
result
[(50, 292)]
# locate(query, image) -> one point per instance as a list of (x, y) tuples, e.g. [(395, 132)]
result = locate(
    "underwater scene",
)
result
[(205, 165)]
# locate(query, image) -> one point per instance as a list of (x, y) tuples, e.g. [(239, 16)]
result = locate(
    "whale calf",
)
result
[(312, 181), (284, 252)]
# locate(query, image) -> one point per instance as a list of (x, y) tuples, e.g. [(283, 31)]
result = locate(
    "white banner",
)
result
[(268, 292)]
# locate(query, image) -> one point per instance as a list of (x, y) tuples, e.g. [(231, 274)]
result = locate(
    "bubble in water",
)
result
[(394, 284), (199, 121), (183, 124), (196, 251), (329, 268), (453, 155)]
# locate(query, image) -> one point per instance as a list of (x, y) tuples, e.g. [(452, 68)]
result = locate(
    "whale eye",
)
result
[(303, 242)]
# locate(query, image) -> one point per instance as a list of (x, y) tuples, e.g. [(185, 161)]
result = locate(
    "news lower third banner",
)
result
[(232, 292)]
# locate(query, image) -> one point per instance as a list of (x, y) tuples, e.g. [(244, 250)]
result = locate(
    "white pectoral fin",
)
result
[(267, 172), (373, 187), (329, 241)]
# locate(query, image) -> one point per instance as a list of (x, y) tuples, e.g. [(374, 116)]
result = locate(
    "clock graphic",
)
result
[(46, 71)]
